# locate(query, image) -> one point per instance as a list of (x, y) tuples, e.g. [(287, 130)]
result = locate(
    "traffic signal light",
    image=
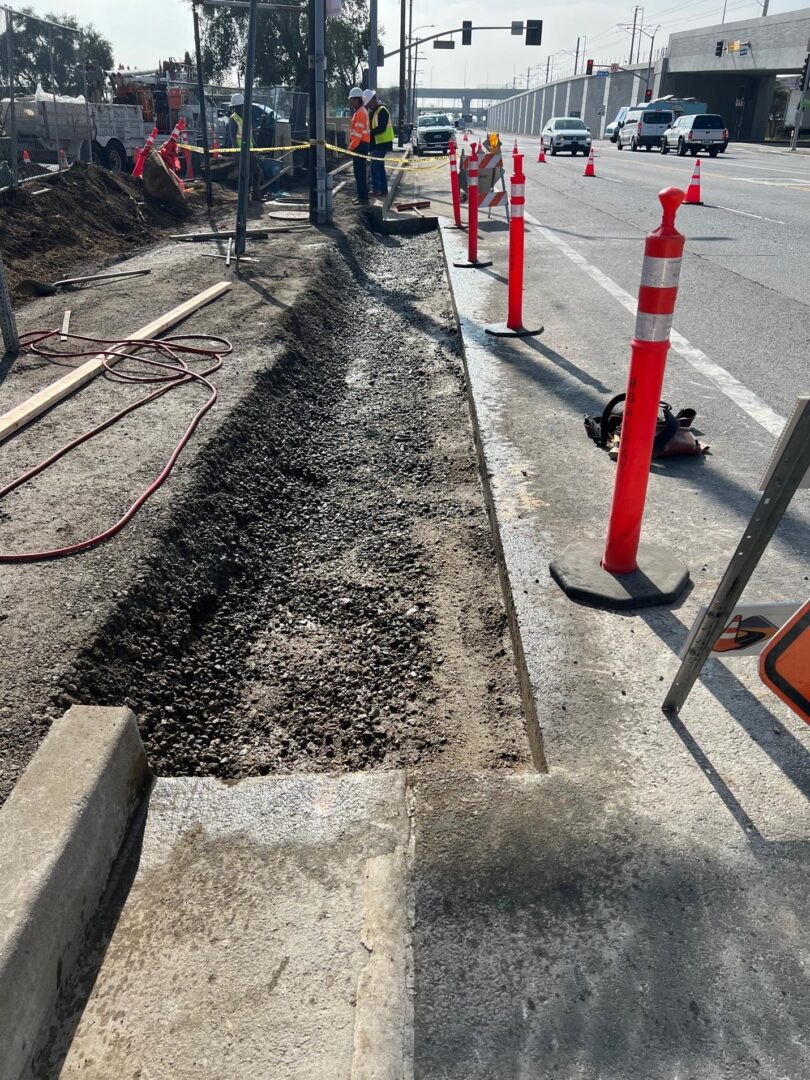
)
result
[(719, 47), (648, 94), (804, 70), (466, 32), (589, 67), (534, 31)]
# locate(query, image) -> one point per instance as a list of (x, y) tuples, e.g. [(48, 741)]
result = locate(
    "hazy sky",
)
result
[(144, 31)]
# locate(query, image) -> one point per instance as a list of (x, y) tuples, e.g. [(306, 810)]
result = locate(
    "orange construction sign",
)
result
[(784, 664)]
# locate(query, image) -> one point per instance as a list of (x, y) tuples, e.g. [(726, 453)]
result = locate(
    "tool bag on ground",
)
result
[(673, 434)]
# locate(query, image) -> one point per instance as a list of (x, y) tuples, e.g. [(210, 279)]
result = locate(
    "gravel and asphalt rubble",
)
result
[(316, 586)]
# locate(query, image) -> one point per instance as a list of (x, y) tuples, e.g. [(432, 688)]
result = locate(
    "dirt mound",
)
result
[(84, 214)]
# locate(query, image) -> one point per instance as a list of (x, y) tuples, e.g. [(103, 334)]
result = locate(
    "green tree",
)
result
[(281, 47), (33, 41)]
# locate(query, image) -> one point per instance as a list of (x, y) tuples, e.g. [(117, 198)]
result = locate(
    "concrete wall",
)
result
[(778, 44), (596, 98)]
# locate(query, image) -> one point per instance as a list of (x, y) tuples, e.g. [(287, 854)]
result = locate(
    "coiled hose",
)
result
[(169, 357)]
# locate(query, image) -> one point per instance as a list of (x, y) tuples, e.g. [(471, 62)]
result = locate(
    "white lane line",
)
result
[(745, 213), (736, 391), (611, 179)]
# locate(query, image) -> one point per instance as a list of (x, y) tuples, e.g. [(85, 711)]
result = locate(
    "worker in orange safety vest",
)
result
[(359, 143)]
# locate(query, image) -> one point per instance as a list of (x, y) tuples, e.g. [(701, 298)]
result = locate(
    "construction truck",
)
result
[(111, 125)]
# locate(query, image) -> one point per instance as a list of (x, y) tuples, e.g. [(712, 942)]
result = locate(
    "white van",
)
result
[(644, 127)]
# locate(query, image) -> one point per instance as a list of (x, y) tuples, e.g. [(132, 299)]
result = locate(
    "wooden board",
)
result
[(34, 406)]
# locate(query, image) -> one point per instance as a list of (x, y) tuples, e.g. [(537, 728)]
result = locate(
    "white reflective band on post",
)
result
[(473, 181), (518, 190), (517, 210), (652, 327), (660, 273)]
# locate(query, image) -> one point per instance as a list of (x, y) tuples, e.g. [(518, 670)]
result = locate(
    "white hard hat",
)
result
[(237, 99), (368, 95), (355, 92)]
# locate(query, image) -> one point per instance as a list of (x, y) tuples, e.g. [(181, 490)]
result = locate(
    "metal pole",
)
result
[(209, 198), (725, 5), (633, 36), (548, 66), (247, 132), (83, 62), (53, 94), (576, 57), (410, 62), (401, 139), (765, 8), (794, 138), (12, 107), (649, 65), (373, 46), (8, 324), (324, 200), (785, 479)]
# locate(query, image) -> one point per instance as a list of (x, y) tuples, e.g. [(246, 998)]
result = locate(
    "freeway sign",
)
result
[(602, 72), (785, 663)]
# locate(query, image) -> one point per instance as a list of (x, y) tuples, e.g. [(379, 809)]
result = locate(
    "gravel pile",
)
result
[(327, 594)]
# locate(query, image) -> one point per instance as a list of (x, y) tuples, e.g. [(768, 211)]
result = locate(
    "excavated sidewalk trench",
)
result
[(326, 596)]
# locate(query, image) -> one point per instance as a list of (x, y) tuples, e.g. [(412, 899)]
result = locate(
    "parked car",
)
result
[(615, 126), (644, 127), (432, 132), (565, 133), (690, 134)]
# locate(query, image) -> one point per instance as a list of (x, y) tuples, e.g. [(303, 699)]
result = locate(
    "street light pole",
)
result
[(372, 44), (410, 63), (401, 139)]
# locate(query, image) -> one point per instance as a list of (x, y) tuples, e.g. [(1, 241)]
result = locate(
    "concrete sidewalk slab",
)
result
[(60, 832), (264, 935), (641, 913)]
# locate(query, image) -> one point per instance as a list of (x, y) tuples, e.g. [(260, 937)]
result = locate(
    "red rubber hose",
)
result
[(173, 371)]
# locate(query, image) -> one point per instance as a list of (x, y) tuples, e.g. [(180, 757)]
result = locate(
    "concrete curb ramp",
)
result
[(60, 832)]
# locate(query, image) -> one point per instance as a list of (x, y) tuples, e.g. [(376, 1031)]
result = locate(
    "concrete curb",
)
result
[(60, 831), (526, 692)]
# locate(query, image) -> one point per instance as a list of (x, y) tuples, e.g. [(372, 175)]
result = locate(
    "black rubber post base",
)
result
[(660, 578), (500, 329), (465, 264)]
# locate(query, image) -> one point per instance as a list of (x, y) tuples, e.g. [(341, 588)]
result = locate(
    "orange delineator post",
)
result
[(454, 184), (187, 156), (472, 259), (658, 291), (143, 154), (169, 149), (517, 245), (625, 574)]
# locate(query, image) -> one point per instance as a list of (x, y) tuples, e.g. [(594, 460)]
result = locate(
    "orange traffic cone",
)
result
[(515, 149), (589, 169), (466, 137), (541, 157), (63, 164), (26, 158), (693, 191), (215, 154)]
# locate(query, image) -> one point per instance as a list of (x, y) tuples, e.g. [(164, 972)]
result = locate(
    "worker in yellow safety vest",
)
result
[(382, 140), (235, 121), (359, 142)]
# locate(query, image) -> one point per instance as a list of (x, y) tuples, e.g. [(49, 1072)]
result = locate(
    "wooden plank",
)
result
[(34, 406), (65, 325)]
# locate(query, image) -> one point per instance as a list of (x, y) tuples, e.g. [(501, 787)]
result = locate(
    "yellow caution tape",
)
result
[(402, 166)]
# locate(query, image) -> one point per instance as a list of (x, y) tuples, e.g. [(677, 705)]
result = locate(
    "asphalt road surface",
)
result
[(744, 298)]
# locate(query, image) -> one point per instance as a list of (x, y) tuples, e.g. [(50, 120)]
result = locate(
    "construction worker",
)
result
[(382, 139), (359, 142), (235, 121)]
